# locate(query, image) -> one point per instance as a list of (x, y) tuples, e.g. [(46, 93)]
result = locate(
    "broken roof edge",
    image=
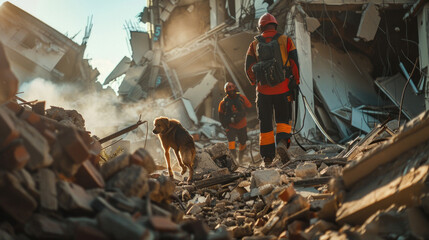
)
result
[(117, 71), (15, 10)]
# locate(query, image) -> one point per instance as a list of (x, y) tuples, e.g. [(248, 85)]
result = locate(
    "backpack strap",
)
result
[(260, 38), (275, 37)]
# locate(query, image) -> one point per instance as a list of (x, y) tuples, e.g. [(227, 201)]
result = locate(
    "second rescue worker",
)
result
[(232, 115), (272, 64)]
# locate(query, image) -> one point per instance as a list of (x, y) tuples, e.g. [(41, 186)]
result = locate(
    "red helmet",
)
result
[(229, 86), (266, 19)]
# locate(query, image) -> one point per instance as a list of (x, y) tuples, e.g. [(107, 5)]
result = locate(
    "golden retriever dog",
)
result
[(171, 134)]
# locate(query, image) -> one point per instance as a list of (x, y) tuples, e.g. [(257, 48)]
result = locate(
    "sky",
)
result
[(107, 44)]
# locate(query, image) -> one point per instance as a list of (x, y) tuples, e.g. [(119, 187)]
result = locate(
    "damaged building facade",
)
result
[(355, 58), (36, 50)]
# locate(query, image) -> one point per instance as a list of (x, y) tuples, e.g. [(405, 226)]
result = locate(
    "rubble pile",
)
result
[(381, 194), (51, 187), (66, 117)]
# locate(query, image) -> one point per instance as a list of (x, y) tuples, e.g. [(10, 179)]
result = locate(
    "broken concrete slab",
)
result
[(164, 189), (204, 163), (140, 44), (73, 198), (262, 177), (120, 226), (47, 189), (114, 165), (369, 22), (132, 181), (217, 150), (306, 170), (142, 158), (392, 86), (27, 182), (14, 199), (200, 92)]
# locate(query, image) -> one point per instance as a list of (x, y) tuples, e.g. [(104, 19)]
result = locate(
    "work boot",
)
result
[(268, 161), (282, 151), (233, 153), (240, 156)]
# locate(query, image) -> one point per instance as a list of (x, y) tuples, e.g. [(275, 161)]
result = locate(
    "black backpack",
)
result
[(229, 103), (269, 70)]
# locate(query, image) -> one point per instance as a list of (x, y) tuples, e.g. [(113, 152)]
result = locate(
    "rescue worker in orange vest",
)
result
[(272, 65), (232, 115)]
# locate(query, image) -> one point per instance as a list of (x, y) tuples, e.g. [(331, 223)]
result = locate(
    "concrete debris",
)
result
[(306, 170), (369, 23), (66, 117), (262, 177)]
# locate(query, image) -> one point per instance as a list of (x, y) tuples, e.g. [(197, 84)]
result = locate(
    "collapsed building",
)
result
[(36, 50), (355, 58)]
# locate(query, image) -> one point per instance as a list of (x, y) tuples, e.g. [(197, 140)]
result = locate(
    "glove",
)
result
[(293, 89)]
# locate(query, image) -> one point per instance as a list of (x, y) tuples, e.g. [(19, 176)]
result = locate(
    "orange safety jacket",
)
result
[(289, 54), (245, 103)]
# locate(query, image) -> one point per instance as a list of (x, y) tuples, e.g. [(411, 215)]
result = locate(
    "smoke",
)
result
[(103, 111)]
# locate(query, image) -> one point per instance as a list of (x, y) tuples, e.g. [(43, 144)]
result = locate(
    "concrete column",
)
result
[(303, 45), (213, 13), (423, 29), (238, 11)]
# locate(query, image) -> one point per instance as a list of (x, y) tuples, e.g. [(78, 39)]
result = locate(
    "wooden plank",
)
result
[(414, 133), (361, 204), (312, 182)]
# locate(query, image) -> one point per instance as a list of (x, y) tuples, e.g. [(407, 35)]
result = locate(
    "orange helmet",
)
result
[(266, 19), (229, 86)]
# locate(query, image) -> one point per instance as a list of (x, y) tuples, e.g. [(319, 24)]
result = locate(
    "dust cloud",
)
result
[(103, 111)]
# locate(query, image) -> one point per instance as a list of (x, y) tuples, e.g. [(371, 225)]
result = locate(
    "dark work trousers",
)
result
[(267, 105), (234, 133)]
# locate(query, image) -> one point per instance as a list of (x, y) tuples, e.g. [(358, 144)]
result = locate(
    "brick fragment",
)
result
[(8, 132), (14, 199), (288, 193), (89, 177), (14, 157)]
